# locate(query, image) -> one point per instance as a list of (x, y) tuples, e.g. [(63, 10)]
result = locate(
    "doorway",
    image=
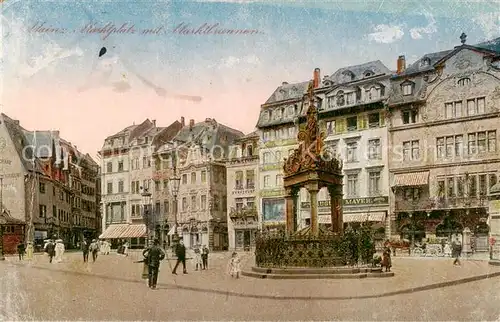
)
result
[(246, 240)]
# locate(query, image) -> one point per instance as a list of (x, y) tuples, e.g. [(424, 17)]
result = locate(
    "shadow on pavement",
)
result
[(165, 286)]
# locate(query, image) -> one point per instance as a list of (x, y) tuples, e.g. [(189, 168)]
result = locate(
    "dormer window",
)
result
[(407, 88), (348, 76), (340, 98), (464, 81), (425, 62), (368, 73)]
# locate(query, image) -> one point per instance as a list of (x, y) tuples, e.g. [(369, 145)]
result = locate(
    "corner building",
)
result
[(444, 131)]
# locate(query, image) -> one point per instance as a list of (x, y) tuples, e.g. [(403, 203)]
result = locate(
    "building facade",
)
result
[(243, 220), (197, 154), (48, 183), (278, 128), (352, 118), (127, 164), (444, 154)]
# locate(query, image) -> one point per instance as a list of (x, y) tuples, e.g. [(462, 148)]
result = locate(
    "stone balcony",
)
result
[(440, 204), (245, 212)]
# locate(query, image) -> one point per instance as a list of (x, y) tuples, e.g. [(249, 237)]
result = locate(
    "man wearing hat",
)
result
[(153, 255)]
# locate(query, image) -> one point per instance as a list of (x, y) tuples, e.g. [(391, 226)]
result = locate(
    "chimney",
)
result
[(401, 64), (191, 124), (316, 78), (154, 122), (183, 123)]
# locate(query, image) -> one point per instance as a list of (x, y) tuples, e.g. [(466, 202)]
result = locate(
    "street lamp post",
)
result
[(146, 212), (174, 186)]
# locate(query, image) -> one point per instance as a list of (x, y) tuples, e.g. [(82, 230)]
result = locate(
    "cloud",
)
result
[(489, 23), (416, 33), (386, 34)]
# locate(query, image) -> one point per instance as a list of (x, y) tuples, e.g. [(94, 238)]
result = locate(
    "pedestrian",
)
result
[(204, 256), (29, 251), (386, 259), (125, 249), (94, 248), (153, 255), (180, 252), (85, 250), (20, 250), (197, 257), (59, 249), (456, 250), (234, 266), (50, 250)]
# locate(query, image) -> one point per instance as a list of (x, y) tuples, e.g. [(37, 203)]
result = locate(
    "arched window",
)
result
[(340, 98), (368, 73), (464, 81), (425, 62)]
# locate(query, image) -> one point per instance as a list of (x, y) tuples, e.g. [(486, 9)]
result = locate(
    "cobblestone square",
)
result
[(112, 289)]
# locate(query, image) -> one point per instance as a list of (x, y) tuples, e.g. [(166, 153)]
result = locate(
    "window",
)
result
[(249, 150), (410, 116), (492, 141), (135, 187), (184, 179), (352, 123), (145, 184), (193, 177), (250, 179), (374, 151), (415, 150), (481, 142), (374, 183), (193, 202), (406, 150), (450, 143), (239, 204), (411, 150), (267, 157), (239, 180), (279, 180), (471, 107), (109, 167), (472, 143), (157, 185), (278, 156), (407, 89), (472, 186), (204, 176), (350, 98), (492, 180), (184, 204), (448, 108), (120, 186), (166, 207), (266, 181), (459, 145), (464, 81), (110, 187), (135, 163), (41, 187), (330, 127), (352, 185), (352, 152), (451, 187), (120, 166), (440, 188), (373, 120), (203, 202), (480, 105), (440, 148), (412, 193), (482, 185), (43, 211), (460, 186), (165, 184), (373, 93)]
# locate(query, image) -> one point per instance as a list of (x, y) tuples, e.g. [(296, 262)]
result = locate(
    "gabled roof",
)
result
[(464, 46), (251, 135), (418, 66), (287, 92), (376, 68), (493, 45)]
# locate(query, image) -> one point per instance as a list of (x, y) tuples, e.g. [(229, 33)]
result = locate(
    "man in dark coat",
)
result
[(204, 256), (20, 250), (180, 252), (85, 249), (456, 250), (153, 255), (50, 249)]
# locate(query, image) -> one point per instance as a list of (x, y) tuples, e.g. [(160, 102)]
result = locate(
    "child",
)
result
[(386, 260), (234, 265)]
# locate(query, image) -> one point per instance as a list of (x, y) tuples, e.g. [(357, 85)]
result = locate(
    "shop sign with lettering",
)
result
[(352, 202)]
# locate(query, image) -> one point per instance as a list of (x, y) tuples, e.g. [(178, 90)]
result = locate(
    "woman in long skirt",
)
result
[(234, 266)]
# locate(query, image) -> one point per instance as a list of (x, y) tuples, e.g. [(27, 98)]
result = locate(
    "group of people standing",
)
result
[(54, 249), (87, 248)]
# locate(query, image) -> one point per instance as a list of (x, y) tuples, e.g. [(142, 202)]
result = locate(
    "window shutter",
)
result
[(382, 118), (340, 125)]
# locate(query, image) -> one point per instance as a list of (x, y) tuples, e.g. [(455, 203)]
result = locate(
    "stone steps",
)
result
[(317, 273)]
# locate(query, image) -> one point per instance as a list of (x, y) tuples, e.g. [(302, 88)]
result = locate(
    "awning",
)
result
[(171, 232), (411, 179), (124, 231), (377, 216)]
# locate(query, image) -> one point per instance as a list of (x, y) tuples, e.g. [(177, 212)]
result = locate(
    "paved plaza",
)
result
[(112, 289)]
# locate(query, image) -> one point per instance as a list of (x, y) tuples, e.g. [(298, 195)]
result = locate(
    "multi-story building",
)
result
[(444, 132), (243, 220), (47, 183), (197, 154), (352, 118), (277, 127), (127, 172)]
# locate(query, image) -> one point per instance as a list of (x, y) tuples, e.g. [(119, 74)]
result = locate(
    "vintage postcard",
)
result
[(203, 160)]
